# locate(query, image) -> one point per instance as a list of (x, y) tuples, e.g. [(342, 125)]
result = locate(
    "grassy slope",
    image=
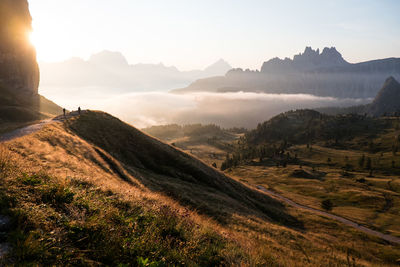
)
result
[(163, 168), (73, 202)]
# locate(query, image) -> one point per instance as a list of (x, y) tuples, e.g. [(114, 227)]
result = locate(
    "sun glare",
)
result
[(33, 39), (46, 49)]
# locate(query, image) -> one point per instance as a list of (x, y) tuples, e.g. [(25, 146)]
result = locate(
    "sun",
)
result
[(46, 48)]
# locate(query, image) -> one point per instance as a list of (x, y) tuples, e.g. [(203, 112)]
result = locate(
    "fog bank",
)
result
[(225, 109)]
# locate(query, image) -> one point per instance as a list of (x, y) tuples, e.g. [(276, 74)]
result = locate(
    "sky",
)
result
[(191, 34)]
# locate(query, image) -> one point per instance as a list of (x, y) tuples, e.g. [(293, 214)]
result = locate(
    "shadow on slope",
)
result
[(163, 168)]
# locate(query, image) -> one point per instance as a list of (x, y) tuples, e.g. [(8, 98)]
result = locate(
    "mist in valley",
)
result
[(236, 109)]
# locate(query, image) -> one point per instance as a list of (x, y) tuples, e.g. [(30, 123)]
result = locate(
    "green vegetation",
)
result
[(96, 191), (208, 142), (343, 164), (174, 131), (76, 223), (273, 139), (168, 170)]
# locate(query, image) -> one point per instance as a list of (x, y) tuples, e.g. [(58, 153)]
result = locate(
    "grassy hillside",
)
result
[(350, 161), (96, 191), (308, 126), (163, 168)]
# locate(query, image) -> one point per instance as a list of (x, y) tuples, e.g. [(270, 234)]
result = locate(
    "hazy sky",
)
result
[(194, 33)]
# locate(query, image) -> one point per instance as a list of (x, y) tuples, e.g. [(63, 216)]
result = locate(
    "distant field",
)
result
[(359, 175)]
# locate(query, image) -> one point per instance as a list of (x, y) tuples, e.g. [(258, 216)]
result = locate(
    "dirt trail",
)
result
[(364, 229), (35, 127), (23, 131), (4, 224), (4, 220)]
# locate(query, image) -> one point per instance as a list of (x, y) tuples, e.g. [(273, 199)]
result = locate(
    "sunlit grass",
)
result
[(55, 164)]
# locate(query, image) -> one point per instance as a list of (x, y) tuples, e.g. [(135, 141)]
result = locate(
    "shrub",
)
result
[(327, 204), (369, 164), (32, 180), (361, 161), (57, 195), (5, 160)]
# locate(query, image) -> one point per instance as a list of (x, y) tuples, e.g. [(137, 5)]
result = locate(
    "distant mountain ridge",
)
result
[(310, 72), (111, 70), (308, 61)]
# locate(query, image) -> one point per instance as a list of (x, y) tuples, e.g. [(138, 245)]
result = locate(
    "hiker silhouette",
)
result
[(64, 111), (79, 110)]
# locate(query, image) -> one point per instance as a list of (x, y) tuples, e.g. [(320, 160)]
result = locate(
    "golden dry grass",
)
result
[(252, 239)]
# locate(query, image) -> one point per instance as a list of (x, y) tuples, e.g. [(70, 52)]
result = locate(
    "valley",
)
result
[(355, 172), (92, 182), (314, 179)]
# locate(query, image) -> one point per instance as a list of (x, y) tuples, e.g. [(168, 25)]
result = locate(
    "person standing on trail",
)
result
[(64, 111), (79, 110)]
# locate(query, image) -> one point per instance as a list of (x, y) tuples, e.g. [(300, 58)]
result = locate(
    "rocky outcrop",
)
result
[(307, 61), (19, 72), (387, 100), (310, 72)]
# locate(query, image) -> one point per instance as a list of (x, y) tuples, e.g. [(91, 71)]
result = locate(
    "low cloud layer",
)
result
[(225, 109)]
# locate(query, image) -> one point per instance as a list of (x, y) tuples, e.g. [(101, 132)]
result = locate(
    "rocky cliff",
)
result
[(19, 71)]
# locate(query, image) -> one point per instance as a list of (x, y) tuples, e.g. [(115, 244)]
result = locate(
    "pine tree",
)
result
[(369, 164), (361, 161), (327, 204)]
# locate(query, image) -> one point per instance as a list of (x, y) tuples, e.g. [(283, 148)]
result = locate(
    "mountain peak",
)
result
[(220, 66), (308, 51), (388, 98), (310, 59), (109, 58), (390, 81)]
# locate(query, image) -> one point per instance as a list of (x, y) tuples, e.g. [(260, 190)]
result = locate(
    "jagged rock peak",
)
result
[(309, 52), (328, 57), (310, 59)]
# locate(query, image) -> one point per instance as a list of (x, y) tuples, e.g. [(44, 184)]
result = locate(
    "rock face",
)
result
[(309, 60), (310, 72), (19, 70), (387, 100)]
